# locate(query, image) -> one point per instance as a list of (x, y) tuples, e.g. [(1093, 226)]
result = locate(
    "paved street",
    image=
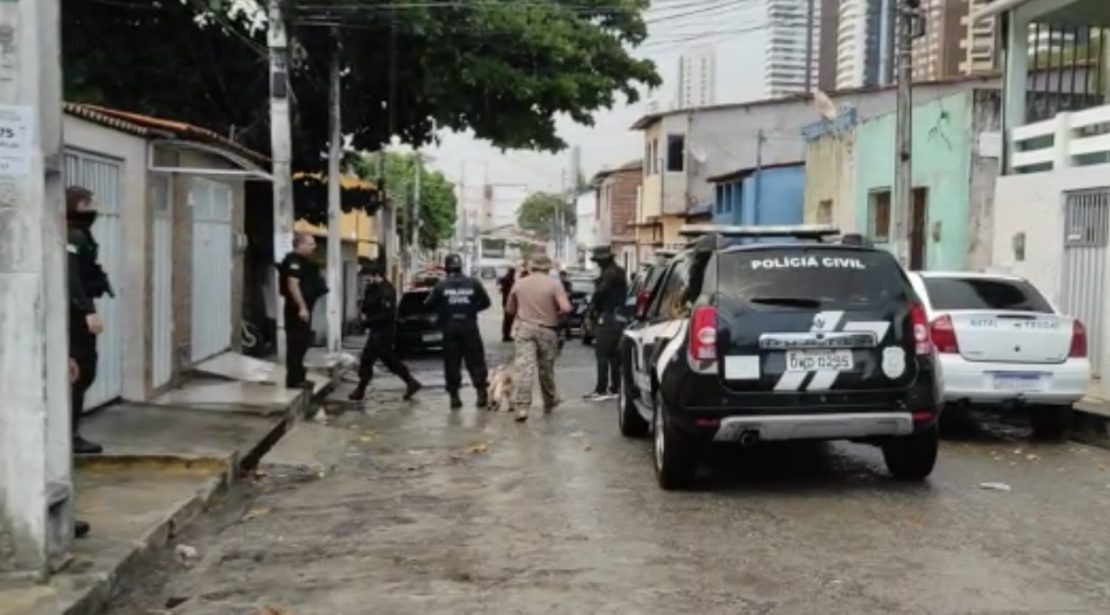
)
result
[(468, 512)]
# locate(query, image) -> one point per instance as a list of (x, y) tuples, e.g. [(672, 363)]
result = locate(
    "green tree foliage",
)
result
[(437, 194), (503, 69), (538, 213)]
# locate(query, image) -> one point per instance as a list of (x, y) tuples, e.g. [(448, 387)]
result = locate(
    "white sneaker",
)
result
[(592, 396), (606, 397)]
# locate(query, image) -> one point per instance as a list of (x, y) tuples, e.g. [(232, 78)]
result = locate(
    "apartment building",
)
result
[(697, 79), (978, 44), (942, 51), (786, 62)]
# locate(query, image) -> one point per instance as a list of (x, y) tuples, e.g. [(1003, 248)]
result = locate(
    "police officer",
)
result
[(87, 281), (457, 299), (605, 306), (301, 286), (379, 307)]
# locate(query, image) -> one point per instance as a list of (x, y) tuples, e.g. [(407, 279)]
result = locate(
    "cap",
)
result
[(602, 253), (541, 262), (453, 262)]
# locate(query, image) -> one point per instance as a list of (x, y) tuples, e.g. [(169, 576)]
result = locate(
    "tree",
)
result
[(538, 214), (437, 194), (502, 69)]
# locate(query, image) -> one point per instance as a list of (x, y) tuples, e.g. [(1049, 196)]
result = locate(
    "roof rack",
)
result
[(801, 231)]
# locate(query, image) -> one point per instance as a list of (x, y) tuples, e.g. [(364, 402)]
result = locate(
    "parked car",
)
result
[(780, 341), (417, 329), (581, 292), (1002, 344)]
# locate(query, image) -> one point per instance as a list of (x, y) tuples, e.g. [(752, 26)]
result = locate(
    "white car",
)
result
[(1000, 342)]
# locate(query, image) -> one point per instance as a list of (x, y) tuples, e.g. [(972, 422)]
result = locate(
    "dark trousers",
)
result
[(607, 337), (298, 337), (380, 346), (507, 327), (463, 342), (82, 349)]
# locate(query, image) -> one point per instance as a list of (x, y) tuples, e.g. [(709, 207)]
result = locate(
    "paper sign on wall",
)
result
[(15, 140)]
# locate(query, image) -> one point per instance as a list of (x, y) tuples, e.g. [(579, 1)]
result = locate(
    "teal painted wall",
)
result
[(942, 150)]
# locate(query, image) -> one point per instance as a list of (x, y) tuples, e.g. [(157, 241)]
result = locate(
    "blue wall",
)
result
[(781, 199)]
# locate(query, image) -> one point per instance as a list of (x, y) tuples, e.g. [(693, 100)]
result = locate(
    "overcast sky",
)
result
[(731, 27)]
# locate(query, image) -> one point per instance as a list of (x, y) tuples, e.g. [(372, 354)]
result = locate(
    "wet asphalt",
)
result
[(434, 511)]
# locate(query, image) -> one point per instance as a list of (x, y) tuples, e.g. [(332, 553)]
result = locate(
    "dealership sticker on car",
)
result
[(742, 367), (814, 360), (894, 362)]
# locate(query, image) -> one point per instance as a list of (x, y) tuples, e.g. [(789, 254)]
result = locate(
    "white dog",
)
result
[(500, 388)]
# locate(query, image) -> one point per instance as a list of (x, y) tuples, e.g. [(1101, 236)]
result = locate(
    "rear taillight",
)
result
[(641, 303), (703, 334), (920, 326), (944, 336), (1078, 349)]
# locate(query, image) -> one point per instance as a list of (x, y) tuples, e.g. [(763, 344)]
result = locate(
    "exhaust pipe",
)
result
[(749, 438)]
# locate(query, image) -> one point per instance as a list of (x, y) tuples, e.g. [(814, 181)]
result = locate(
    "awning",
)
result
[(241, 166), (997, 8)]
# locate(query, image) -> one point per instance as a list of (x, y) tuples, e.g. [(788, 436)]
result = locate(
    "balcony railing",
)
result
[(1070, 139)]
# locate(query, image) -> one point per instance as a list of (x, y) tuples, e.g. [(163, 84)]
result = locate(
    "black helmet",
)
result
[(453, 263)]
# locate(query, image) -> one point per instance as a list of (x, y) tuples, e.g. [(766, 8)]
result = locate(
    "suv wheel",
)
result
[(1051, 422), (628, 416), (674, 458), (912, 457)]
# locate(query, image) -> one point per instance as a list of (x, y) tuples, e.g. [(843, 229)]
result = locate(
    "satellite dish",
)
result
[(698, 154), (825, 106)]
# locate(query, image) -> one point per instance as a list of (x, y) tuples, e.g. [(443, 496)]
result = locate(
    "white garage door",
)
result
[(211, 298), (161, 368), (102, 176)]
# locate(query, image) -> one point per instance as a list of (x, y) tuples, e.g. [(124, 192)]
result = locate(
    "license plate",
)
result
[(432, 337), (814, 360), (1017, 382)]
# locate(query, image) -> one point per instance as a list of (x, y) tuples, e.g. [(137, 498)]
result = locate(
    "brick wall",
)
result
[(623, 186)]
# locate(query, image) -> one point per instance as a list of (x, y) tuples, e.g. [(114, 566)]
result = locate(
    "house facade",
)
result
[(761, 196), (1052, 212), (955, 161), (617, 193), (684, 148), (171, 202)]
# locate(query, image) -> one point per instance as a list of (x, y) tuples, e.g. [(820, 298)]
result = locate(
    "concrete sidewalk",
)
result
[(163, 464)]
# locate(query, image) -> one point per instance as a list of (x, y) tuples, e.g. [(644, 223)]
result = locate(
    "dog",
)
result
[(500, 389)]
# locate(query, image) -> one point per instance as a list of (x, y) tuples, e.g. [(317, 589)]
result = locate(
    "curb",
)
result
[(101, 587), (1090, 427)]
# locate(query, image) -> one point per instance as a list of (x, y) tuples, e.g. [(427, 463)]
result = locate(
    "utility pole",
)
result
[(809, 46), (414, 219), (760, 139), (903, 176), (281, 152), (36, 490), (335, 155)]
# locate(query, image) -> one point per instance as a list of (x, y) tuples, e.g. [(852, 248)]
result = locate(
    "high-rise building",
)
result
[(865, 43), (942, 51), (978, 44), (786, 62), (697, 79)]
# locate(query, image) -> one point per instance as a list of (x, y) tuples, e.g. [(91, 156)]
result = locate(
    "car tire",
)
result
[(672, 453), (912, 458), (1051, 422), (632, 425)]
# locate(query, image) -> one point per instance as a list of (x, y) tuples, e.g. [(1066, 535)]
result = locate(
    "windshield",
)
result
[(812, 277), (412, 303), (984, 294)]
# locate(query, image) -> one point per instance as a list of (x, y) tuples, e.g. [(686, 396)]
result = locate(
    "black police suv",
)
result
[(417, 328), (792, 340), (581, 290)]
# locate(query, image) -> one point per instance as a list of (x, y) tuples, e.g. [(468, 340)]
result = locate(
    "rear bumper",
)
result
[(969, 381), (816, 426)]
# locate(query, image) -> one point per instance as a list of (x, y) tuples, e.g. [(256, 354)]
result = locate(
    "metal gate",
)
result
[(1086, 229), (102, 176), (161, 283), (211, 299)]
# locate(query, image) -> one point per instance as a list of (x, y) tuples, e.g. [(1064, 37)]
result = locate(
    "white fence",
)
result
[(1070, 139)]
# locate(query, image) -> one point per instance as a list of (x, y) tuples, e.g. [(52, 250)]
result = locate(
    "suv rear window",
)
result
[(984, 294), (412, 303), (811, 277)]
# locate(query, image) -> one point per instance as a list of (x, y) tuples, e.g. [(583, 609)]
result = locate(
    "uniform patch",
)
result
[(294, 266), (894, 362), (72, 249)]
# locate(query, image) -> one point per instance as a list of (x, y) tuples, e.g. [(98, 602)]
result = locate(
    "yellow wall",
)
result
[(671, 226), (830, 175), (353, 226)]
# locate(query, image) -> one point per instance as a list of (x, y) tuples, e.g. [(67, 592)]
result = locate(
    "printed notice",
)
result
[(15, 140)]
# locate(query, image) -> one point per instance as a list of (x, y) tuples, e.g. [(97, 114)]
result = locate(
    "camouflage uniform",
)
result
[(536, 347)]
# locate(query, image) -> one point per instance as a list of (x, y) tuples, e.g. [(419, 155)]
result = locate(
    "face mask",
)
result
[(83, 219)]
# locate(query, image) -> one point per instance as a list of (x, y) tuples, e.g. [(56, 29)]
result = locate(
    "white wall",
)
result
[(1033, 204), (131, 291), (586, 222)]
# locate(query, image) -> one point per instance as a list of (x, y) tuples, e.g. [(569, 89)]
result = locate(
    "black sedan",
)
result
[(417, 330)]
